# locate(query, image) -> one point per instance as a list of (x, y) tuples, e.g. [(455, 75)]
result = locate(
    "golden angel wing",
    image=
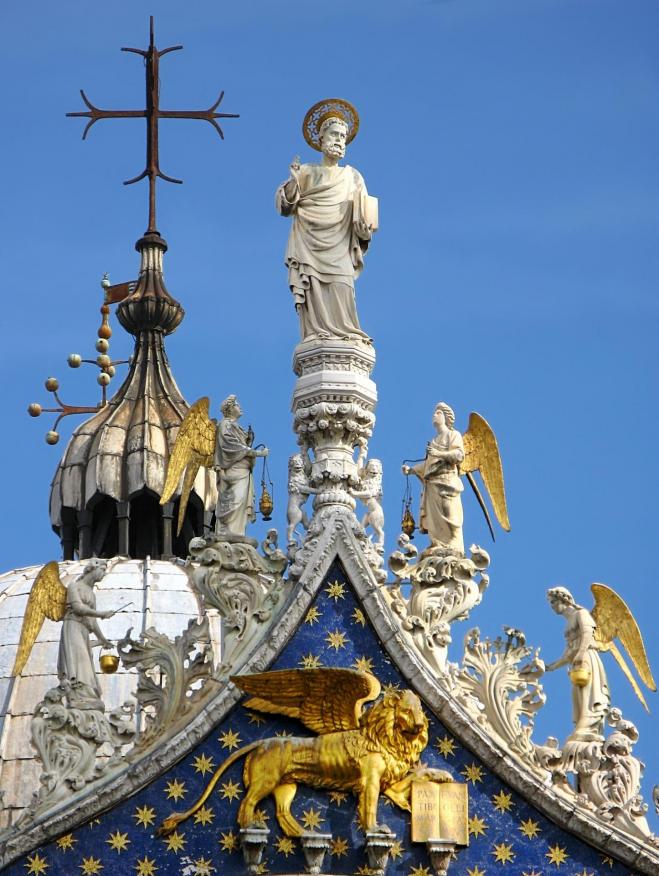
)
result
[(482, 454), (324, 700), (47, 600), (614, 620), (194, 447)]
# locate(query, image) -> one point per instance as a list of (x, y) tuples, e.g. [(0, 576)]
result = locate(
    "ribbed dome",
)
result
[(113, 469), (160, 597)]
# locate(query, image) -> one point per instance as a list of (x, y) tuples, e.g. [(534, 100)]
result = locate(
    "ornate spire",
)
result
[(105, 493)]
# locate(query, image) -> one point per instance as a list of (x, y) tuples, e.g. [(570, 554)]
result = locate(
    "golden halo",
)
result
[(325, 109)]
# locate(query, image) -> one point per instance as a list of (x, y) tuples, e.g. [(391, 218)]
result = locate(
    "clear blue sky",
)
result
[(514, 146)]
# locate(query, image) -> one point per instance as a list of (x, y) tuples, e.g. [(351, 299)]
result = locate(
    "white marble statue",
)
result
[(75, 662), (233, 462), (441, 502), (299, 490), (590, 689), (330, 233), (370, 492)]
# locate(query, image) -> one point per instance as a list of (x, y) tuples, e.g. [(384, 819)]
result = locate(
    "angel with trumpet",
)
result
[(589, 633), (450, 455)]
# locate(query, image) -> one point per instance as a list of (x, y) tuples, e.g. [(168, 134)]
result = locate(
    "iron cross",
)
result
[(152, 114)]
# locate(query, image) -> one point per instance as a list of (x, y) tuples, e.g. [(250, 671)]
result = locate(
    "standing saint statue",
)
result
[(233, 462), (333, 222)]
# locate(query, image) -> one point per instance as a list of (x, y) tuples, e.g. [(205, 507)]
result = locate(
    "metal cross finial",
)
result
[(153, 114)]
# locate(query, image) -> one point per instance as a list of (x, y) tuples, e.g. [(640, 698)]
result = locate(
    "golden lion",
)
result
[(366, 752)]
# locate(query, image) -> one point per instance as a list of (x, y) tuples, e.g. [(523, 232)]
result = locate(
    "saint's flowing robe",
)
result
[(324, 253), (235, 492), (441, 502), (75, 661)]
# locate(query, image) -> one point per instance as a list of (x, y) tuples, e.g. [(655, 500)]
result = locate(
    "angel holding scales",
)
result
[(448, 456)]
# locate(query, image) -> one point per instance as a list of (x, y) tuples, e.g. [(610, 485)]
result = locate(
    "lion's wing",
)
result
[(325, 700)]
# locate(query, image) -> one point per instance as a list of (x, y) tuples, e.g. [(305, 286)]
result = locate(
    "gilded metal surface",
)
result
[(331, 107), (482, 454), (425, 811), (365, 752), (47, 600), (194, 447), (615, 621)]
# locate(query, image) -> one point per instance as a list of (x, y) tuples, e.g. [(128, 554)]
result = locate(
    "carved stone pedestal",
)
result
[(253, 841), (445, 587), (333, 408), (314, 846), (440, 853), (378, 848)]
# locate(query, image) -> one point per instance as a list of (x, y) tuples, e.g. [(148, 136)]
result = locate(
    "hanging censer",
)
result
[(266, 504), (408, 523)]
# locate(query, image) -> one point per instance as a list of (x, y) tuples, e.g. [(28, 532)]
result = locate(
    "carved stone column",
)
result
[(123, 526), (333, 408)]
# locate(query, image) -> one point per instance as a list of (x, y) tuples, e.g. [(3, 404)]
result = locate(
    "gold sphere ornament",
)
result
[(580, 676), (330, 108), (102, 345), (109, 663), (111, 370), (52, 384), (103, 379), (105, 332), (103, 361), (34, 410), (74, 360), (52, 437)]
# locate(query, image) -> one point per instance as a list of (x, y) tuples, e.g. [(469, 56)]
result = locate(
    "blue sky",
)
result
[(514, 146)]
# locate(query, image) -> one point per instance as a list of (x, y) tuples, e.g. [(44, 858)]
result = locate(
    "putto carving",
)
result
[(370, 492), (369, 752), (444, 589), (174, 677), (226, 448), (333, 223), (448, 456), (299, 490)]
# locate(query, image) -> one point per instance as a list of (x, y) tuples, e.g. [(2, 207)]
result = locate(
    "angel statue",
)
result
[(75, 606), (588, 633), (448, 456), (333, 223), (225, 447)]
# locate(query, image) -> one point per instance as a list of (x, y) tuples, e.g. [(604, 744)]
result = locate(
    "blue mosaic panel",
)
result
[(507, 835)]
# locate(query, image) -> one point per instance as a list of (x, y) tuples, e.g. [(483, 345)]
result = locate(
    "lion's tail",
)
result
[(172, 821)]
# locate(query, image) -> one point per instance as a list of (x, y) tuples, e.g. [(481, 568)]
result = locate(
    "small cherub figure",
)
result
[(370, 492), (299, 490)]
